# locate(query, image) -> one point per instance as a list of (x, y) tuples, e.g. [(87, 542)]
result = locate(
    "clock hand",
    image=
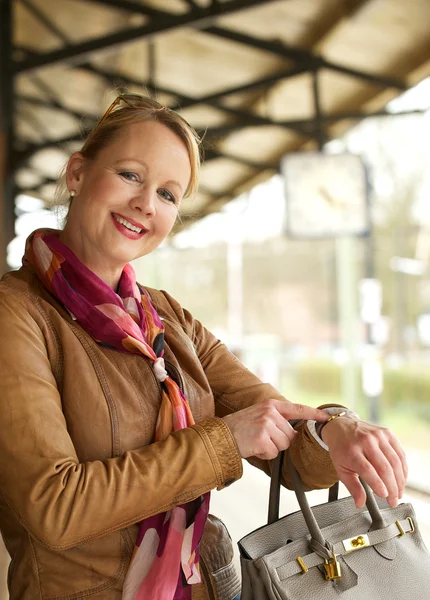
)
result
[(329, 198)]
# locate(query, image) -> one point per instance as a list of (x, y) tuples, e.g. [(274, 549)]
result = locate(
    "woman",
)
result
[(120, 411)]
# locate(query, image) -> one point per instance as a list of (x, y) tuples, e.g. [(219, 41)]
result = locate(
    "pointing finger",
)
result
[(289, 410)]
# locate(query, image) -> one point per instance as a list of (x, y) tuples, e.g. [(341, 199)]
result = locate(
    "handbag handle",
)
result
[(275, 489), (318, 541)]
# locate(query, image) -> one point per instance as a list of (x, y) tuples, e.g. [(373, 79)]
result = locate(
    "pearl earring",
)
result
[(72, 194)]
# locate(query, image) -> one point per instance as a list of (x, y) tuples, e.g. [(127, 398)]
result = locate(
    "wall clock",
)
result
[(326, 195)]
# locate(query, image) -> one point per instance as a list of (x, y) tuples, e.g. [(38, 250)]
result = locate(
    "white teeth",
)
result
[(127, 224)]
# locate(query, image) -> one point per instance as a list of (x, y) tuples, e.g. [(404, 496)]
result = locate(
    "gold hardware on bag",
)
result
[(302, 564), (402, 531), (400, 528), (356, 543), (332, 568)]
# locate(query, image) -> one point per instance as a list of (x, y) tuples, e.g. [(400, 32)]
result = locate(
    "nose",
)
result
[(145, 202)]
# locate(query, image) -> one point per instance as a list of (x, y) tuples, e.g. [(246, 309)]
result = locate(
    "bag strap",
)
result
[(318, 543), (275, 488), (311, 522)]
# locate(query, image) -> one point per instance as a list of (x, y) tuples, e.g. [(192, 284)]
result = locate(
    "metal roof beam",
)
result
[(299, 54), (192, 4), (55, 105), (158, 25), (309, 124), (312, 60), (301, 126), (35, 123), (46, 22), (187, 101), (211, 154), (212, 99), (246, 87), (134, 7)]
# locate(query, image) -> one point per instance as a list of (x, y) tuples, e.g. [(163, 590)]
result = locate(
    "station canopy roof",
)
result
[(258, 78)]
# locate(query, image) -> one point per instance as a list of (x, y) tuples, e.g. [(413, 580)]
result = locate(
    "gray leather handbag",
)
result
[(335, 551)]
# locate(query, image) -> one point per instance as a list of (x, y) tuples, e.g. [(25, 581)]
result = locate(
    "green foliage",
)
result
[(403, 387), (320, 376), (408, 386)]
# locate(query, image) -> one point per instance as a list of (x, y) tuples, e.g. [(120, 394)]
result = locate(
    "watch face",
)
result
[(326, 194)]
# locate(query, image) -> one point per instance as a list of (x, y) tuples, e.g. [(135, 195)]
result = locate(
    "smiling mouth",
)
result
[(128, 225)]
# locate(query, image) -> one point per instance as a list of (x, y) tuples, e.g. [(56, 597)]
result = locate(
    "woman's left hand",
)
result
[(360, 449)]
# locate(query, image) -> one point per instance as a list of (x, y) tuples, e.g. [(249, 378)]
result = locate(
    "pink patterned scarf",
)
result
[(166, 556)]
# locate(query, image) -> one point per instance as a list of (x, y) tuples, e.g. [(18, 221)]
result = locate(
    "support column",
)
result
[(7, 212), (6, 189), (347, 279)]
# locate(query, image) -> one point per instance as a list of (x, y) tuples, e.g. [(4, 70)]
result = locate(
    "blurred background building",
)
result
[(325, 296)]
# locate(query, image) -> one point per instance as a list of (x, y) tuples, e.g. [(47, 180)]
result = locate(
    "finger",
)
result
[(401, 454), (282, 424), (396, 465), (365, 469), (289, 410), (385, 472), (290, 435), (353, 485), (280, 439), (269, 452)]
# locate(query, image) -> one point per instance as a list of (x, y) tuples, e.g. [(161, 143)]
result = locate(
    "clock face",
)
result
[(326, 194)]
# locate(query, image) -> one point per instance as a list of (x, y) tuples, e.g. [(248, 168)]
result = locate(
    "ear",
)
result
[(75, 172)]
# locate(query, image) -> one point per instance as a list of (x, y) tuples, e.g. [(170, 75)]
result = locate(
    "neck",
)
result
[(109, 274)]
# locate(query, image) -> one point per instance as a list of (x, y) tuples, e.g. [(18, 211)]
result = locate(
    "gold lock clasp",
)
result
[(332, 568), (356, 543)]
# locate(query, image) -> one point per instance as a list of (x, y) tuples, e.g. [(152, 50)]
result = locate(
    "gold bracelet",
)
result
[(331, 418), (336, 416)]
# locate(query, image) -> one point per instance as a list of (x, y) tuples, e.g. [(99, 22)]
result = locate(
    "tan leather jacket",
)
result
[(78, 469)]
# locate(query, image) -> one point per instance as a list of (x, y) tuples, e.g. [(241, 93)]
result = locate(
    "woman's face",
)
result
[(127, 198)]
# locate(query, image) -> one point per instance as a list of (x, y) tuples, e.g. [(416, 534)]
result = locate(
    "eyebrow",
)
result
[(130, 159)]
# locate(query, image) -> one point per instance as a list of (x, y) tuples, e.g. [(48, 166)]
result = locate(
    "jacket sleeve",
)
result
[(63, 502), (235, 387)]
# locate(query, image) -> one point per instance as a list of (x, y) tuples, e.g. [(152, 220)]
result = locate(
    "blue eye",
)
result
[(166, 195), (129, 176)]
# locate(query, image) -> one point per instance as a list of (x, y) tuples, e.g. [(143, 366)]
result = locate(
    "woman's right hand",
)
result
[(263, 430)]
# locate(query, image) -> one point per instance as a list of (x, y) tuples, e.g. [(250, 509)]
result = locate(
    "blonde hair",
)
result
[(136, 109)]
